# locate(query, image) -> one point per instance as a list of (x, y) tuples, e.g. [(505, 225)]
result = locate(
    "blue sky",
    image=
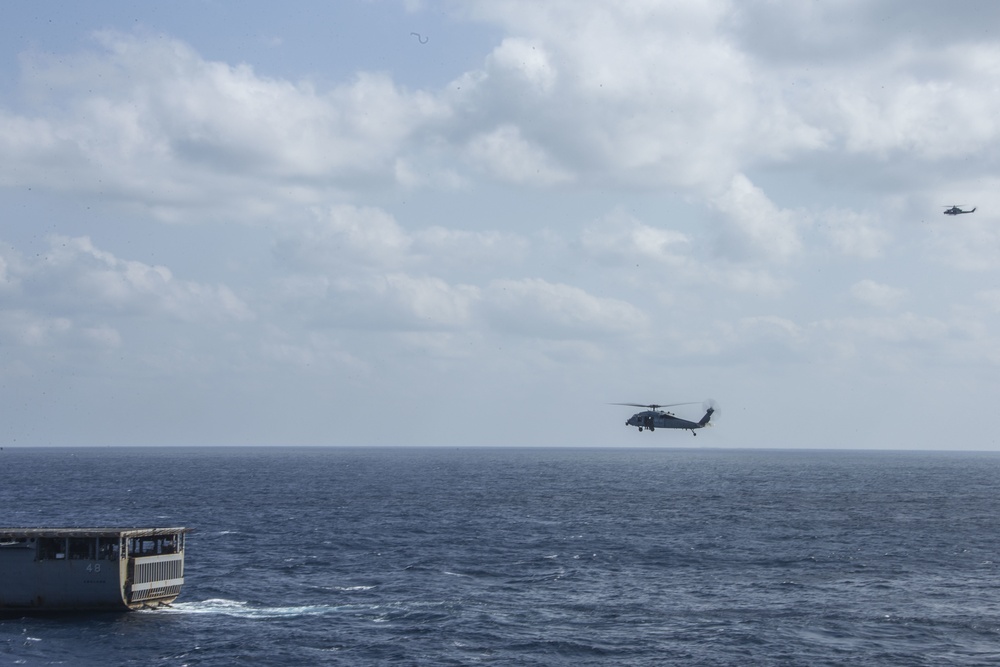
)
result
[(478, 223)]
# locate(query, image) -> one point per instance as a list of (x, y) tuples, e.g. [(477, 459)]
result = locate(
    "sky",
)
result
[(404, 222)]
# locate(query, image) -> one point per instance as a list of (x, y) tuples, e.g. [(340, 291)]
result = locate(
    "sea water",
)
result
[(438, 556)]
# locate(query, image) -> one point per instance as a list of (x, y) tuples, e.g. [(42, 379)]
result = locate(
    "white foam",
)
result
[(243, 609)]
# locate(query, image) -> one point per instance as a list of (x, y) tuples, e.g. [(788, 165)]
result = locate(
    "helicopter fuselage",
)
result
[(654, 419), (955, 210)]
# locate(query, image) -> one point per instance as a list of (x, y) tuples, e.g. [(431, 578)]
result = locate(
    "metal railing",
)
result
[(156, 577)]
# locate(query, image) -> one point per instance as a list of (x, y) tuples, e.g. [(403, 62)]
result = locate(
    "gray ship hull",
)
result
[(103, 569)]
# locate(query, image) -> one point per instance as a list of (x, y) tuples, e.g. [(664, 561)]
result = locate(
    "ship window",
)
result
[(82, 548), (154, 545), (142, 546), (107, 548), (51, 548)]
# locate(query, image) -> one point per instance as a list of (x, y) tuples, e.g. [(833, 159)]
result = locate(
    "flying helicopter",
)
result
[(956, 210), (653, 417)]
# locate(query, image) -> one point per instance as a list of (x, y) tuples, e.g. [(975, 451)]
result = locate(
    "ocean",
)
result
[(467, 556)]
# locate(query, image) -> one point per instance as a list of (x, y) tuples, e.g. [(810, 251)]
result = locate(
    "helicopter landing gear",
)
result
[(640, 429)]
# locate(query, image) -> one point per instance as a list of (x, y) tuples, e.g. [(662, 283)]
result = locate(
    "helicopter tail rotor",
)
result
[(711, 408)]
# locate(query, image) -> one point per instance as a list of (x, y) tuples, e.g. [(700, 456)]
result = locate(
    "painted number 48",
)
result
[(94, 567)]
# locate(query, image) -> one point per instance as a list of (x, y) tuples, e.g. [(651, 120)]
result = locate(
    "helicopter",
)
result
[(653, 417), (956, 210)]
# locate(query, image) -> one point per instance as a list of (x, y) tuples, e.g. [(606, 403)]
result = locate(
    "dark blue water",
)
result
[(531, 557)]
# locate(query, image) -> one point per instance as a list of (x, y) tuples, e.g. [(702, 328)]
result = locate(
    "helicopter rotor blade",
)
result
[(652, 406)]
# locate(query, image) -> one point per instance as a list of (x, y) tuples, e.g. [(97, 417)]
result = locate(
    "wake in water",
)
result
[(240, 609)]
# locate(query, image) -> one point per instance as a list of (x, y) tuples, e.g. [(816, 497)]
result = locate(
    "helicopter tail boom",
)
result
[(708, 416)]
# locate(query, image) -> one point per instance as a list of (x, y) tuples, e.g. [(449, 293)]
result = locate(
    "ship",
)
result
[(90, 569)]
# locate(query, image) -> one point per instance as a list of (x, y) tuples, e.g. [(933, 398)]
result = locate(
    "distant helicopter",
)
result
[(655, 418), (955, 210)]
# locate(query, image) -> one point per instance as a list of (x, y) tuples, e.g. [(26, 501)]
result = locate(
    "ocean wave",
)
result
[(243, 609)]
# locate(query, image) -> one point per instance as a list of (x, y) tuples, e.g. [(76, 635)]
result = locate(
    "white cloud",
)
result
[(742, 280), (7, 281), (966, 243), (103, 281), (903, 342), (508, 156), (526, 60), (646, 94), (344, 239), (525, 308), (882, 79), (697, 186), (103, 336), (537, 308), (754, 226), (990, 298), (430, 301), (855, 234), (26, 328), (617, 93), (904, 329), (628, 241), (390, 302), (466, 250), (346, 235), (769, 337), (621, 235), (149, 121), (901, 104), (75, 277), (362, 270), (877, 295)]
